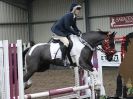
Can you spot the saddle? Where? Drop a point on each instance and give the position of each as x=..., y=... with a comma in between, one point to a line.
x=53, y=40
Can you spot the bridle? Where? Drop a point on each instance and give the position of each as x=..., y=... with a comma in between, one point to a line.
x=106, y=48
x=105, y=45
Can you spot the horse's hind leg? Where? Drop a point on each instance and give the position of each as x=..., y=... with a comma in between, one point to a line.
x=31, y=69
x=27, y=83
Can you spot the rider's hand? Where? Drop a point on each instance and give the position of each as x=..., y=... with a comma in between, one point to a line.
x=79, y=33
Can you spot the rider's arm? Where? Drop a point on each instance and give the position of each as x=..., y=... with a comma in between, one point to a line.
x=75, y=26
x=67, y=22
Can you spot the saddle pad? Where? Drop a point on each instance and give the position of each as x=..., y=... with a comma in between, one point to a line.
x=55, y=50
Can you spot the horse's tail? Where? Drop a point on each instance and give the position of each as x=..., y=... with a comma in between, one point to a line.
x=32, y=43
x=24, y=54
x=23, y=57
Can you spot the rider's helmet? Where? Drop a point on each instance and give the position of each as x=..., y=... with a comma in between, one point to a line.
x=74, y=6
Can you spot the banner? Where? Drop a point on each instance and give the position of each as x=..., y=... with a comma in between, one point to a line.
x=121, y=21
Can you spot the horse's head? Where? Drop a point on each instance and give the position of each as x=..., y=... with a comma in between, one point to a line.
x=108, y=46
x=104, y=38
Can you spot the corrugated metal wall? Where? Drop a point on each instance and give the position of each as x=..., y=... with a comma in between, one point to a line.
x=46, y=12
x=14, y=32
x=11, y=19
x=104, y=24
x=108, y=7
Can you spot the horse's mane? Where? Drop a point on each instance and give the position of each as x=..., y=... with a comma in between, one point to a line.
x=94, y=33
x=101, y=32
x=128, y=38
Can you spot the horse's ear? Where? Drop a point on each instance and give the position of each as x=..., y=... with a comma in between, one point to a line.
x=114, y=33
x=32, y=43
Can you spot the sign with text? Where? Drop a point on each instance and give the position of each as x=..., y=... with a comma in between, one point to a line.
x=104, y=62
x=121, y=21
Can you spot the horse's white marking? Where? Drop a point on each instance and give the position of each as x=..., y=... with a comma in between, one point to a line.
x=31, y=50
x=77, y=45
x=77, y=48
x=54, y=47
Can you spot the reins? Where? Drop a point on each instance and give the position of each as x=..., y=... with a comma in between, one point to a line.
x=105, y=48
x=86, y=43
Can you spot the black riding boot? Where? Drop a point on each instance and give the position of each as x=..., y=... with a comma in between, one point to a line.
x=64, y=53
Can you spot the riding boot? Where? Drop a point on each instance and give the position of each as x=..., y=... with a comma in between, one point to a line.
x=69, y=57
x=64, y=53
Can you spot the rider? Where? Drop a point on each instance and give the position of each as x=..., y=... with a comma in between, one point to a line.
x=65, y=27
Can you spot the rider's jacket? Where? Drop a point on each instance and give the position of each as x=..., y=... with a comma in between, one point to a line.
x=66, y=25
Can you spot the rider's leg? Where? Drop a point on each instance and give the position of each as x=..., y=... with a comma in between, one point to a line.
x=64, y=52
x=64, y=48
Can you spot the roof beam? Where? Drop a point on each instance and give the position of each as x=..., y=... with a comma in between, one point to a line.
x=18, y=3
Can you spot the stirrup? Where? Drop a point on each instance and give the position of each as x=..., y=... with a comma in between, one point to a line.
x=65, y=63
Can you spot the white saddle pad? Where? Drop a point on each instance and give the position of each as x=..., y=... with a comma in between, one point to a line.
x=55, y=50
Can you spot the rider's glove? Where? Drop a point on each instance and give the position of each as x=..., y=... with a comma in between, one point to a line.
x=79, y=33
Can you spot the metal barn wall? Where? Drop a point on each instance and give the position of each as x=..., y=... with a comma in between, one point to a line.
x=100, y=10
x=14, y=32
x=108, y=7
x=104, y=24
x=45, y=14
x=13, y=23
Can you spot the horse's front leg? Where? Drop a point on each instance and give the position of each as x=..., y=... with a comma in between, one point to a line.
x=85, y=64
x=85, y=59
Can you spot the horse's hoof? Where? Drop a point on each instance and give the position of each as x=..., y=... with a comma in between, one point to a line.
x=27, y=86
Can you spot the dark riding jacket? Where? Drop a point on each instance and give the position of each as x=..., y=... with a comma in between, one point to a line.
x=66, y=26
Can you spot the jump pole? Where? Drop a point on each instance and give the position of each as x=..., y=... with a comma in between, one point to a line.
x=6, y=71
x=7, y=89
x=81, y=79
x=20, y=70
x=4, y=77
x=1, y=71
x=56, y=92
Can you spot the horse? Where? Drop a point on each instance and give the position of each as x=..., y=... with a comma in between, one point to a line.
x=40, y=56
x=126, y=68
